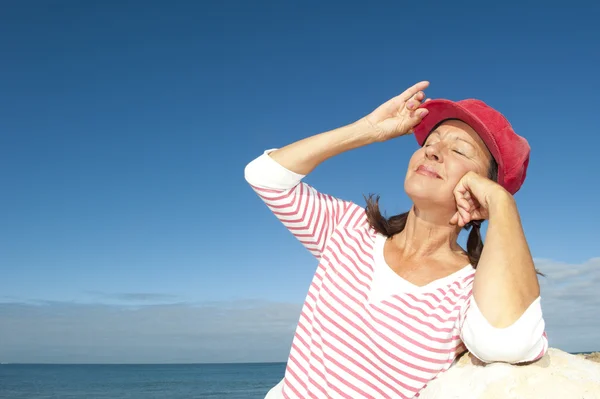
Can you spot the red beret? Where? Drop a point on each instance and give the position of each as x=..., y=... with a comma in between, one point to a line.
x=510, y=150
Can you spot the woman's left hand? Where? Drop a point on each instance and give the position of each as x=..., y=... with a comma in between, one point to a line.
x=474, y=194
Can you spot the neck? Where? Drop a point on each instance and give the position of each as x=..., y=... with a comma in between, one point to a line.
x=427, y=236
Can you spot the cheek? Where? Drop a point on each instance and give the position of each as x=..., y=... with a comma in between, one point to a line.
x=416, y=157
x=456, y=170
x=414, y=160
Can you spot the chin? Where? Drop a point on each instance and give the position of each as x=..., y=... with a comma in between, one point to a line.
x=427, y=190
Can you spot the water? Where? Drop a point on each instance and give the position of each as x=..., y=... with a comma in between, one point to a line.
x=206, y=381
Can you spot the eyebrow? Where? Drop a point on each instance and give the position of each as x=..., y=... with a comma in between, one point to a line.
x=455, y=138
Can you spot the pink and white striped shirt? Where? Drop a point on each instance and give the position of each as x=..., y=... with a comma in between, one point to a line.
x=364, y=332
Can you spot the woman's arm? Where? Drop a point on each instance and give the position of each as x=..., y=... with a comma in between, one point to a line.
x=309, y=215
x=502, y=317
x=506, y=273
x=303, y=156
x=394, y=118
x=525, y=340
x=505, y=281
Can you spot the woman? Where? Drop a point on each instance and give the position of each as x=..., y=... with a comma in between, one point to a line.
x=394, y=301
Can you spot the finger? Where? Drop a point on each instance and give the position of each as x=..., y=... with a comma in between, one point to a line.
x=470, y=198
x=461, y=203
x=454, y=219
x=415, y=117
x=429, y=99
x=477, y=216
x=467, y=203
x=466, y=221
x=417, y=114
x=414, y=89
x=460, y=189
x=459, y=193
x=472, y=205
x=459, y=220
x=415, y=101
x=464, y=215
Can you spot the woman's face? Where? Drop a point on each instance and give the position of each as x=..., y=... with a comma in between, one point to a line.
x=434, y=170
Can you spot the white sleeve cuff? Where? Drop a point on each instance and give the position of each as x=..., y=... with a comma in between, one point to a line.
x=522, y=341
x=265, y=172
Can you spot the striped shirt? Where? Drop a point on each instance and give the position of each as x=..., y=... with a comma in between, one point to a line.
x=363, y=333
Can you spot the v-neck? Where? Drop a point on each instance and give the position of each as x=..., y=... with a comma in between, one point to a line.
x=386, y=282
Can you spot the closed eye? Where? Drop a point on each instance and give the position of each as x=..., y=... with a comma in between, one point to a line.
x=458, y=152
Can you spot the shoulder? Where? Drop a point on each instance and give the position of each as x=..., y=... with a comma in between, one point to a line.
x=354, y=219
x=353, y=231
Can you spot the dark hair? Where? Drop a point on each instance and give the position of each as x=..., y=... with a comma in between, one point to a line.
x=393, y=225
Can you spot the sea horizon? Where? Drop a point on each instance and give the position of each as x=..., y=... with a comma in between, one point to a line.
x=182, y=363
x=143, y=364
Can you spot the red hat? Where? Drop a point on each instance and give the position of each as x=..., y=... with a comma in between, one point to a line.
x=510, y=150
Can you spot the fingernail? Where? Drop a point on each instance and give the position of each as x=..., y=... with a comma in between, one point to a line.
x=410, y=105
x=424, y=112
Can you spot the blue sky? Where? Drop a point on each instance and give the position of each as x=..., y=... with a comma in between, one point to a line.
x=125, y=128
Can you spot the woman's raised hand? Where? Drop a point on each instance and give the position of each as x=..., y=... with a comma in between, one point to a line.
x=396, y=117
x=399, y=115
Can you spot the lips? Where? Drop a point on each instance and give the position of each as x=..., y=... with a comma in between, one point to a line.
x=428, y=171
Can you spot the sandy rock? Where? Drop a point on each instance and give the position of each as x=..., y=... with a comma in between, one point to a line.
x=594, y=357
x=558, y=375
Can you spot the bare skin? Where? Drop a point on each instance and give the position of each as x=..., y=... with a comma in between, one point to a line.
x=427, y=248
x=458, y=193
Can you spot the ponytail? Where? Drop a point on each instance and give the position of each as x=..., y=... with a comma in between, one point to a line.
x=391, y=226
x=474, y=242
x=388, y=227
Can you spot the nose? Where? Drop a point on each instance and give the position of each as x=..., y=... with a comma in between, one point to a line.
x=433, y=153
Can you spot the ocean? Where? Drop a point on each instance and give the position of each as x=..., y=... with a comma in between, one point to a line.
x=189, y=381
x=154, y=381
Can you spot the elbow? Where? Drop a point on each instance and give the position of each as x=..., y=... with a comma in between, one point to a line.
x=508, y=350
x=257, y=172
x=523, y=341
x=248, y=172
x=264, y=172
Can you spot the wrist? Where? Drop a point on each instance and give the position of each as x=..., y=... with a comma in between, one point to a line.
x=343, y=139
x=368, y=131
x=500, y=201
